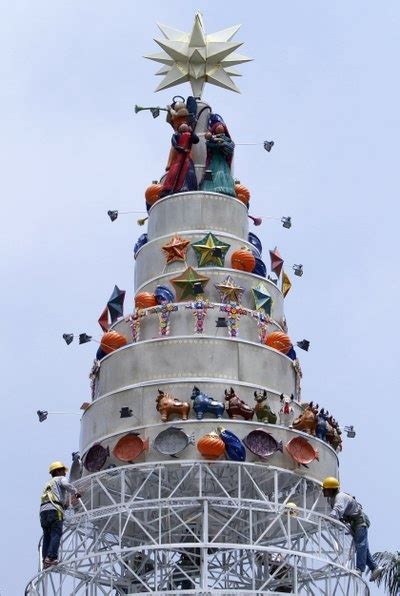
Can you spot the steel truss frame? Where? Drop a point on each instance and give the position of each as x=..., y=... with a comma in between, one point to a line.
x=201, y=528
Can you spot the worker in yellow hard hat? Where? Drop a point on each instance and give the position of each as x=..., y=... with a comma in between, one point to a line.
x=348, y=510
x=52, y=505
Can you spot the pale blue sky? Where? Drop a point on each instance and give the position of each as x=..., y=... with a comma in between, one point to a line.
x=324, y=85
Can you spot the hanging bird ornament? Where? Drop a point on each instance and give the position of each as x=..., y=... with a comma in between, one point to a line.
x=198, y=58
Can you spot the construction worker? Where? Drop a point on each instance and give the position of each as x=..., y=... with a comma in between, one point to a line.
x=52, y=506
x=349, y=511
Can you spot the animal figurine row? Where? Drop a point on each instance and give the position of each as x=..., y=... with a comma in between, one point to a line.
x=235, y=407
x=313, y=421
x=319, y=423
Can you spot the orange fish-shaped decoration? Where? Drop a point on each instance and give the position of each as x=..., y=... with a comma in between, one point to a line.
x=130, y=447
x=301, y=451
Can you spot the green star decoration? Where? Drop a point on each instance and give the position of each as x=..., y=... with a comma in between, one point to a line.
x=190, y=283
x=262, y=298
x=210, y=251
x=229, y=291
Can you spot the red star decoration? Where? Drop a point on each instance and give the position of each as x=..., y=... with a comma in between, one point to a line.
x=103, y=320
x=276, y=261
x=175, y=249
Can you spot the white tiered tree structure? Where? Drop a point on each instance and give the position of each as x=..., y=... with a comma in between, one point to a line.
x=188, y=525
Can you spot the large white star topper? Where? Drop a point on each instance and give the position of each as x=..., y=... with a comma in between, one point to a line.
x=198, y=58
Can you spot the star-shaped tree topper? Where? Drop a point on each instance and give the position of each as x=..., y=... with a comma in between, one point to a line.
x=198, y=58
x=175, y=249
x=262, y=298
x=190, y=283
x=276, y=261
x=210, y=251
x=229, y=291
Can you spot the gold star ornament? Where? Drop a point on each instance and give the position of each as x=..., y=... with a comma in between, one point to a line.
x=229, y=291
x=189, y=284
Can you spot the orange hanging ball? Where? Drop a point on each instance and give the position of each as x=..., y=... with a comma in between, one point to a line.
x=145, y=300
x=211, y=445
x=242, y=193
x=243, y=259
x=152, y=193
x=279, y=341
x=112, y=340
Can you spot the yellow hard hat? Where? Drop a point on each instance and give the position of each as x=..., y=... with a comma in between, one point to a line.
x=330, y=482
x=57, y=465
x=292, y=507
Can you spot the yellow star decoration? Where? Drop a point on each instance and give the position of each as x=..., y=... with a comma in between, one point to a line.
x=286, y=284
x=175, y=249
x=210, y=251
x=229, y=291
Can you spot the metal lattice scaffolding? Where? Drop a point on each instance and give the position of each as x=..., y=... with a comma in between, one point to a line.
x=201, y=527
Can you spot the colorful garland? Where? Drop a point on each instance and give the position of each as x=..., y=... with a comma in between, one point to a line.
x=199, y=308
x=234, y=311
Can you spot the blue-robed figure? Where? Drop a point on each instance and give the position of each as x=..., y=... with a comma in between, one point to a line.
x=220, y=149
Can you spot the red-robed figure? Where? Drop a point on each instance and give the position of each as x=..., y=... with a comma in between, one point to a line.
x=181, y=175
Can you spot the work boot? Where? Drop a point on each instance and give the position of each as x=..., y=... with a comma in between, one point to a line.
x=49, y=562
x=375, y=574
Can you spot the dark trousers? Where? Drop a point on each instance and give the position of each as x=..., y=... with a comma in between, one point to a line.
x=52, y=525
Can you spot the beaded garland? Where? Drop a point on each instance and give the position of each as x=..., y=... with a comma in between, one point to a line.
x=199, y=308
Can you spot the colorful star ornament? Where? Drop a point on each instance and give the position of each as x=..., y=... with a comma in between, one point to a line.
x=229, y=291
x=262, y=298
x=190, y=283
x=103, y=320
x=276, y=261
x=198, y=58
x=115, y=304
x=286, y=284
x=175, y=249
x=210, y=251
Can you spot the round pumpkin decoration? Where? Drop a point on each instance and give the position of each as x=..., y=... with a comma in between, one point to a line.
x=242, y=193
x=279, y=341
x=112, y=340
x=145, y=300
x=152, y=193
x=243, y=259
x=211, y=445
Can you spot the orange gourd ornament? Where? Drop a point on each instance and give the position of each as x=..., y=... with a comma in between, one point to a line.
x=111, y=341
x=152, y=193
x=243, y=259
x=279, y=341
x=242, y=193
x=211, y=445
x=145, y=300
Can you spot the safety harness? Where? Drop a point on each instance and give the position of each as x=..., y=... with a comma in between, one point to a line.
x=359, y=519
x=50, y=496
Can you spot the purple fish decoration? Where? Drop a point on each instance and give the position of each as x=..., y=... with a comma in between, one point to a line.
x=262, y=443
